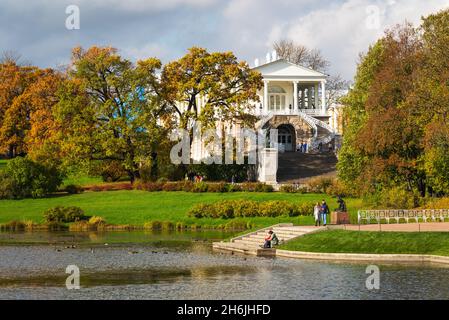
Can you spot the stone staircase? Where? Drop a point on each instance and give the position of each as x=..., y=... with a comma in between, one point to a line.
x=296, y=167
x=251, y=243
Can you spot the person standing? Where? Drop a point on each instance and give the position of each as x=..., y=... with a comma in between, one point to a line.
x=324, y=212
x=316, y=214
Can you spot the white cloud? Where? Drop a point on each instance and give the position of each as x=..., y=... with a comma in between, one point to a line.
x=344, y=30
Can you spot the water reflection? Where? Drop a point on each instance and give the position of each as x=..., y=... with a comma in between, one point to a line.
x=148, y=266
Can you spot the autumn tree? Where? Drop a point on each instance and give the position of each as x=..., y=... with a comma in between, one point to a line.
x=397, y=128
x=224, y=85
x=14, y=111
x=110, y=110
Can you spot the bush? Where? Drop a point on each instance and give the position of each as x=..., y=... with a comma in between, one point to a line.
x=149, y=186
x=442, y=203
x=256, y=187
x=234, y=188
x=64, y=214
x=96, y=221
x=8, y=188
x=200, y=187
x=229, y=209
x=319, y=184
x=288, y=188
x=73, y=189
x=218, y=187
x=112, y=171
x=25, y=178
x=394, y=198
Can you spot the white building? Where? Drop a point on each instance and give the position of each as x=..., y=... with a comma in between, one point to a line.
x=293, y=101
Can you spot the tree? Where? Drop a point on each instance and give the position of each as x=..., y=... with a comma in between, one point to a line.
x=110, y=109
x=301, y=55
x=397, y=112
x=225, y=84
x=14, y=111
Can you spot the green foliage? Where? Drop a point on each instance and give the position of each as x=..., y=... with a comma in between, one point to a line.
x=73, y=189
x=394, y=198
x=396, y=127
x=24, y=178
x=64, y=214
x=112, y=171
x=230, y=209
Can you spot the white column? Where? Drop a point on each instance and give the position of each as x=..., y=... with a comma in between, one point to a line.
x=265, y=95
x=316, y=99
x=303, y=98
x=323, y=97
x=295, y=95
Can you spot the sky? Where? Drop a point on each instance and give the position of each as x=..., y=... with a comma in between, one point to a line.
x=341, y=29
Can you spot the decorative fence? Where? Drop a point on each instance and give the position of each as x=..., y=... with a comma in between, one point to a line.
x=415, y=215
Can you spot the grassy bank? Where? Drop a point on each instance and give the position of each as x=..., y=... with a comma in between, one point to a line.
x=139, y=207
x=2, y=164
x=340, y=241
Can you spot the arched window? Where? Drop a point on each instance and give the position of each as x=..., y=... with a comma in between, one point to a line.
x=276, y=89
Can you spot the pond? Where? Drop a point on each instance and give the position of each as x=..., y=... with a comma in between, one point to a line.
x=151, y=265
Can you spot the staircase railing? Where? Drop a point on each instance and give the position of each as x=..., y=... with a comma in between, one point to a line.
x=316, y=142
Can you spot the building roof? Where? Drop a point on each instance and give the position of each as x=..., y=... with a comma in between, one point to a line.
x=283, y=69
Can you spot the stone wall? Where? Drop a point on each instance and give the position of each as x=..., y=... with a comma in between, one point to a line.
x=304, y=131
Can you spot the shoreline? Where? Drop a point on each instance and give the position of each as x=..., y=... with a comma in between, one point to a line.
x=364, y=257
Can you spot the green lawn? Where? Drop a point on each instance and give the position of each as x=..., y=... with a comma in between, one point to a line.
x=81, y=180
x=2, y=164
x=138, y=207
x=340, y=241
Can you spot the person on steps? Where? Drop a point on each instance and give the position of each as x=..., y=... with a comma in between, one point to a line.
x=268, y=238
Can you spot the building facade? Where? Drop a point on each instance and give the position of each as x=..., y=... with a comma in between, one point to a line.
x=292, y=101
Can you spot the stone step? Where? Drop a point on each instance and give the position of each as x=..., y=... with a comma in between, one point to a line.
x=279, y=235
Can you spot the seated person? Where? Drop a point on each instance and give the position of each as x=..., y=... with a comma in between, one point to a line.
x=268, y=239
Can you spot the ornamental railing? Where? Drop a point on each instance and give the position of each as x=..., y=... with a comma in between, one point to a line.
x=415, y=215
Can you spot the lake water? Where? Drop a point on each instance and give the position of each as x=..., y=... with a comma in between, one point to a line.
x=138, y=265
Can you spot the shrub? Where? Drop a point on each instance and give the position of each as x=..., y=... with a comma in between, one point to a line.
x=229, y=209
x=442, y=203
x=148, y=186
x=200, y=187
x=26, y=178
x=288, y=188
x=201, y=210
x=256, y=187
x=234, y=188
x=8, y=187
x=304, y=209
x=112, y=171
x=13, y=226
x=246, y=208
x=393, y=198
x=64, y=214
x=96, y=221
x=319, y=184
x=223, y=209
x=158, y=225
x=219, y=187
x=73, y=189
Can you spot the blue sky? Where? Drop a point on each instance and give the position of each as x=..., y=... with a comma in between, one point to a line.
x=341, y=29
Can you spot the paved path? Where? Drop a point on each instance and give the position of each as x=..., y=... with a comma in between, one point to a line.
x=251, y=243
x=403, y=227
